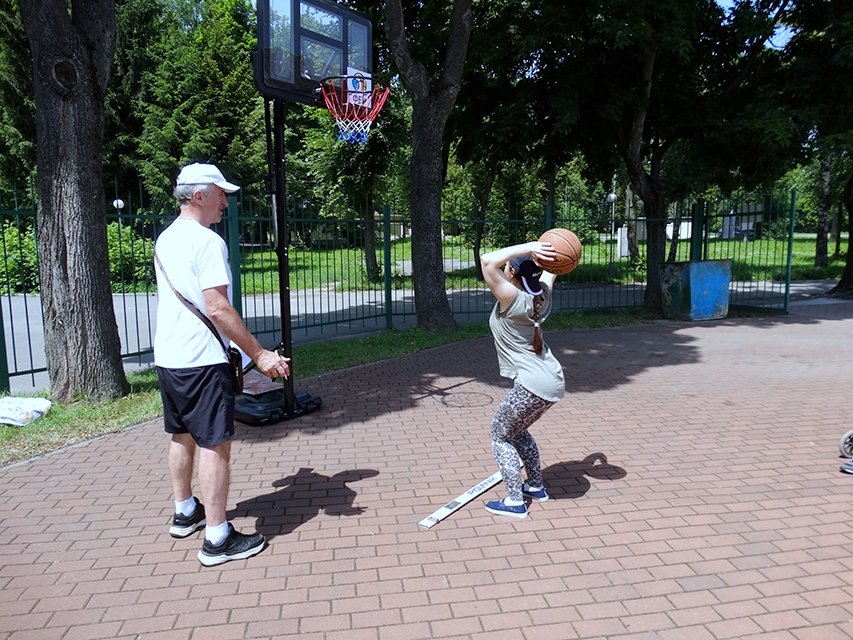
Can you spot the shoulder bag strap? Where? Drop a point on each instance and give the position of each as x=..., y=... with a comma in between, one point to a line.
x=189, y=305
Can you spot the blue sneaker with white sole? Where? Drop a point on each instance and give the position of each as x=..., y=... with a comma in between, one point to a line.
x=498, y=507
x=539, y=494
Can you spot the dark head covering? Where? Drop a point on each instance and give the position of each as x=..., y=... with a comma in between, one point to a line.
x=529, y=273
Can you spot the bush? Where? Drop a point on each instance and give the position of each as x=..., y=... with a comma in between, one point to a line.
x=19, y=268
x=131, y=259
x=585, y=231
x=637, y=267
x=131, y=267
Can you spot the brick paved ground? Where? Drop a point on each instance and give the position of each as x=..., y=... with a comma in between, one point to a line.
x=693, y=470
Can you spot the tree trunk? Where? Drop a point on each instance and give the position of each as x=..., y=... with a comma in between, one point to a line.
x=655, y=207
x=647, y=185
x=844, y=288
x=431, y=303
x=371, y=266
x=72, y=52
x=430, y=109
x=836, y=230
x=550, y=185
x=480, y=222
x=676, y=231
x=821, y=246
x=631, y=222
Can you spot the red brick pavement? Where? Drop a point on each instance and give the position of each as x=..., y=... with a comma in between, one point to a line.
x=693, y=469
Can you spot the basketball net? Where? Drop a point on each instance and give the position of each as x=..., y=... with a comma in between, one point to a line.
x=354, y=101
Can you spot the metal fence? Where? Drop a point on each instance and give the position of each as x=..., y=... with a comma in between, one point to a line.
x=350, y=270
x=758, y=239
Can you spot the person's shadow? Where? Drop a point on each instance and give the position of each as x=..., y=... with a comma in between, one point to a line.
x=301, y=497
x=568, y=480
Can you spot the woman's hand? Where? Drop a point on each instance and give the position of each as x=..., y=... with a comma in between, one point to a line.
x=542, y=253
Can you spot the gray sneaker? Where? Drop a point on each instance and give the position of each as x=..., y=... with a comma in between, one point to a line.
x=235, y=547
x=847, y=467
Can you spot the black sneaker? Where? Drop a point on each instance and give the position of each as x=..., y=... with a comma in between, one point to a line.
x=182, y=525
x=235, y=546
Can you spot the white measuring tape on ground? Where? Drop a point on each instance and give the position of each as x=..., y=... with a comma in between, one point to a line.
x=440, y=514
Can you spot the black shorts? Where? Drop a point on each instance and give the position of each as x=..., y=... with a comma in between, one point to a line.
x=198, y=401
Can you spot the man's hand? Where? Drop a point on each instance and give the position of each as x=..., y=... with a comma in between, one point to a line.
x=269, y=362
x=272, y=364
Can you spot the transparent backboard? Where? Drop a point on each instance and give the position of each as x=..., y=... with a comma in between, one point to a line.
x=300, y=42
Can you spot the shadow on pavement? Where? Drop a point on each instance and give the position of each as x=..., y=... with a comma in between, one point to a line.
x=568, y=480
x=301, y=497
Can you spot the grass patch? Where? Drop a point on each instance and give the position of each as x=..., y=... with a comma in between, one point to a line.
x=342, y=268
x=68, y=424
x=325, y=357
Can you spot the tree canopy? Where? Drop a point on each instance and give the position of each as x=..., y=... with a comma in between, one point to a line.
x=544, y=82
x=820, y=65
x=493, y=100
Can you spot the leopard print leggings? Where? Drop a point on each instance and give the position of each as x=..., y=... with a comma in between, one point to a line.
x=511, y=439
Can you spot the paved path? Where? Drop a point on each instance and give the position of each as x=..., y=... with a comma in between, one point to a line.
x=693, y=469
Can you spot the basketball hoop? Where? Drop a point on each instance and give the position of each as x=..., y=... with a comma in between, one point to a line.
x=354, y=101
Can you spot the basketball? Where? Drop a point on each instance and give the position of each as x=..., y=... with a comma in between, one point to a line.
x=568, y=249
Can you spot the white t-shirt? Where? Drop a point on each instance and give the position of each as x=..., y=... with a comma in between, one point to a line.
x=195, y=258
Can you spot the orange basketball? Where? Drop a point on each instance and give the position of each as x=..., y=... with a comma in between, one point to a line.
x=568, y=249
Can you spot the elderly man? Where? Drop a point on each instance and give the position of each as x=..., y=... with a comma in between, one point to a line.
x=192, y=366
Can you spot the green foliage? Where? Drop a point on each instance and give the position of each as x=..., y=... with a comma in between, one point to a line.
x=461, y=190
x=585, y=231
x=805, y=179
x=515, y=194
x=131, y=259
x=343, y=171
x=819, y=78
x=17, y=102
x=140, y=26
x=637, y=267
x=543, y=82
x=776, y=229
x=19, y=267
x=131, y=266
x=201, y=104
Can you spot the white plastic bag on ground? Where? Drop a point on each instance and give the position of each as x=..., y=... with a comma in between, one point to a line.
x=22, y=411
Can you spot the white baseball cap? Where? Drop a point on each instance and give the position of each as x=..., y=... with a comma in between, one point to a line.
x=197, y=173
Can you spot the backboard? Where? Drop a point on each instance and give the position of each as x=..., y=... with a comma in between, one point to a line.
x=301, y=42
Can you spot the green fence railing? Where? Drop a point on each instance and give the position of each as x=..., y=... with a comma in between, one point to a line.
x=351, y=269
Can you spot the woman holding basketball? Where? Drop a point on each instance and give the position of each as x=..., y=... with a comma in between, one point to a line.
x=523, y=291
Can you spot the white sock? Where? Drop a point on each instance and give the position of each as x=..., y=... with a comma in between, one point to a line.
x=186, y=507
x=530, y=487
x=513, y=503
x=216, y=535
